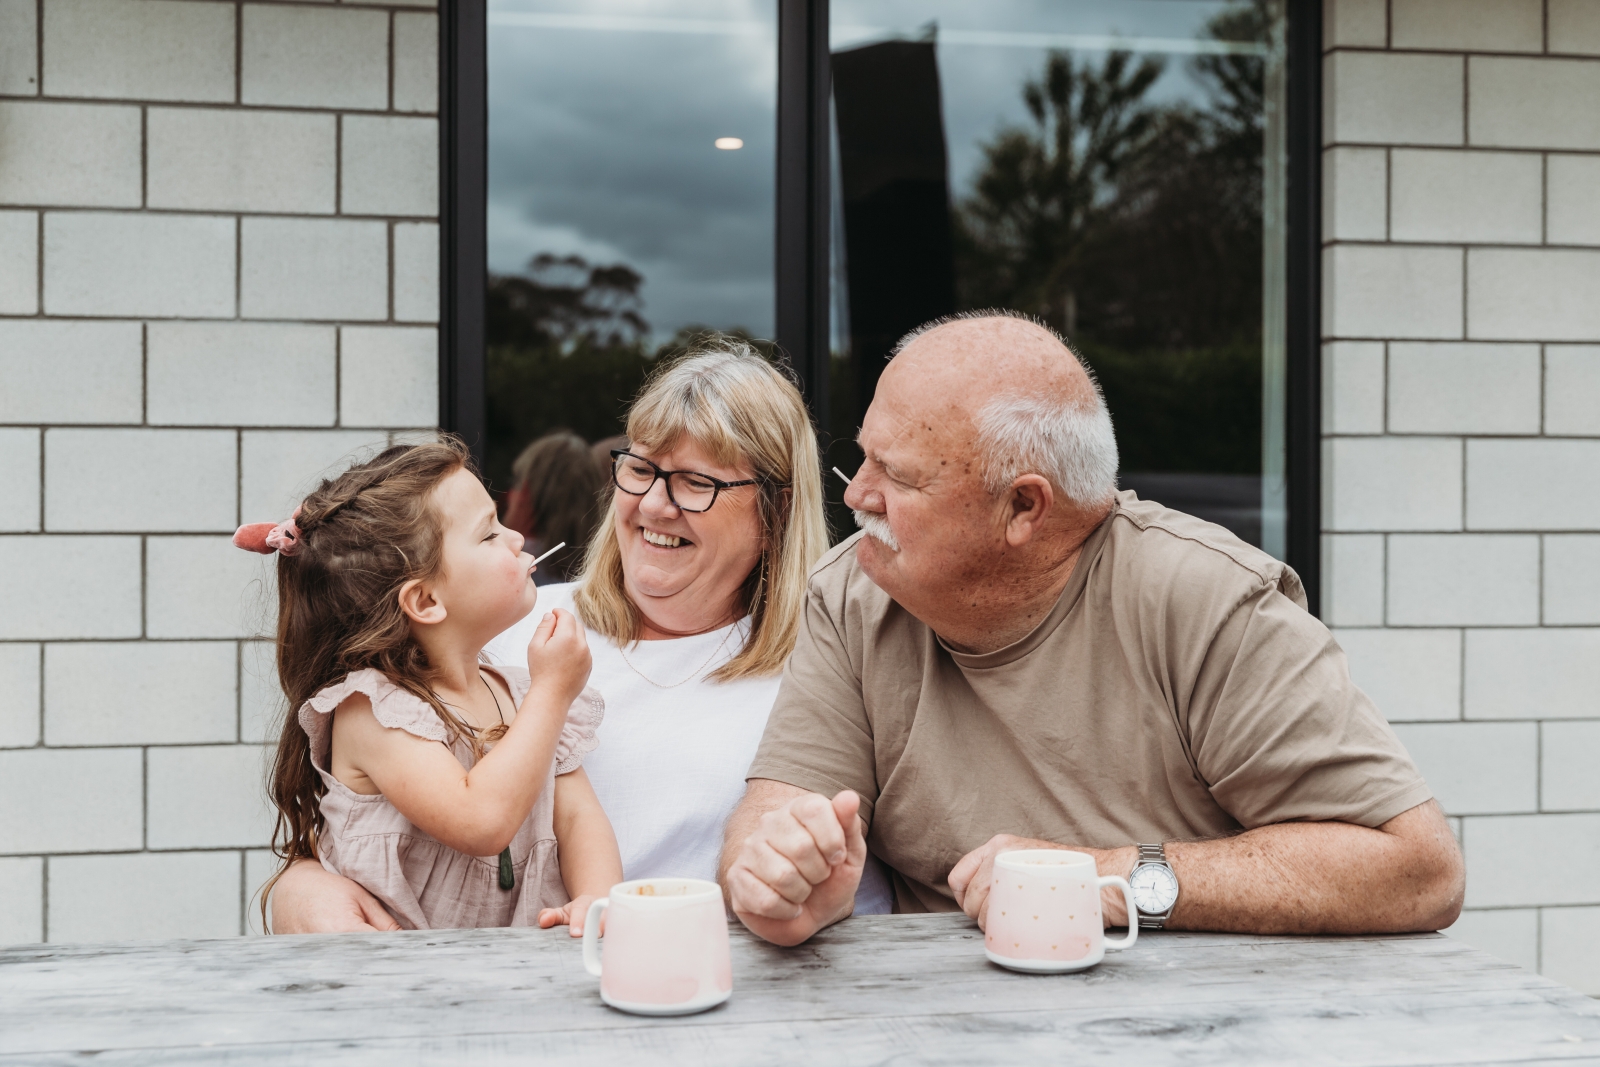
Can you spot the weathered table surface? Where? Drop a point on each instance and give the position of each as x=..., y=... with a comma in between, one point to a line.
x=891, y=989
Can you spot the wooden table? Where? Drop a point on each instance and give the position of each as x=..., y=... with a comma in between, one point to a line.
x=891, y=989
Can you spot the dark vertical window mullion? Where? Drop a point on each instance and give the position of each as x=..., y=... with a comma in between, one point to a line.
x=803, y=196
x=1304, y=263
x=463, y=188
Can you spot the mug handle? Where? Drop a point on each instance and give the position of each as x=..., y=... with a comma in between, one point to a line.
x=591, y=934
x=1111, y=946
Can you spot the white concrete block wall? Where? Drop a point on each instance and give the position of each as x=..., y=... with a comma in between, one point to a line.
x=1461, y=370
x=218, y=280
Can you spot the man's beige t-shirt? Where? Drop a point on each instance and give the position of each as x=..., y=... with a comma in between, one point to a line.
x=1178, y=690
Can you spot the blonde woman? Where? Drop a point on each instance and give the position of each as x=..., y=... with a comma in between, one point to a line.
x=691, y=593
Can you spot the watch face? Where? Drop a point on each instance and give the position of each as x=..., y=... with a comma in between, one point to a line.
x=1155, y=888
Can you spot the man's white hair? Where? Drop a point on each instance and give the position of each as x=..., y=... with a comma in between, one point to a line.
x=1072, y=443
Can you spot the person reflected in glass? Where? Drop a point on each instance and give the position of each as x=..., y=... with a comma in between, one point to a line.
x=556, y=496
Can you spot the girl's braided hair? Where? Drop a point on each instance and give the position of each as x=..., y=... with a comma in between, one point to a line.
x=363, y=535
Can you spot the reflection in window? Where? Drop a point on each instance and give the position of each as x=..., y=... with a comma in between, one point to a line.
x=1114, y=167
x=630, y=201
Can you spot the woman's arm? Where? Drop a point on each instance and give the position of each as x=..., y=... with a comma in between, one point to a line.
x=586, y=848
x=309, y=899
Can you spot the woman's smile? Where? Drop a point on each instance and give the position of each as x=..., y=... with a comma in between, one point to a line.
x=664, y=540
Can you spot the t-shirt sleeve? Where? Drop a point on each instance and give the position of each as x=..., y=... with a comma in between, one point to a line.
x=1280, y=733
x=818, y=736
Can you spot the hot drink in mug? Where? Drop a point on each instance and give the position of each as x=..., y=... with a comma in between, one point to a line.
x=666, y=946
x=1044, y=911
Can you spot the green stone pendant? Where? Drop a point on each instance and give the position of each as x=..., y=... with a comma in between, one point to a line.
x=508, y=877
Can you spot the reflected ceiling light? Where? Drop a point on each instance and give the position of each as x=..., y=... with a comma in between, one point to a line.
x=728, y=144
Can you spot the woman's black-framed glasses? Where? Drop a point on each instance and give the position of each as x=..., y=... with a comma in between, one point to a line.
x=688, y=490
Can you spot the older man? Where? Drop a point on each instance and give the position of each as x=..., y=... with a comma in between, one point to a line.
x=1015, y=655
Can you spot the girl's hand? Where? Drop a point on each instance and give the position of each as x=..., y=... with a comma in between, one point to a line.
x=558, y=658
x=570, y=915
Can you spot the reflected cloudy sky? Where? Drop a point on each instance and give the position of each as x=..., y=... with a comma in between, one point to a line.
x=601, y=142
x=603, y=114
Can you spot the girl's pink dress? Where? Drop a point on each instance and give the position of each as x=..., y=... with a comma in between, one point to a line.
x=424, y=884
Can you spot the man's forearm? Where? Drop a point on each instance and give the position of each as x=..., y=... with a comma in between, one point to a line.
x=1321, y=878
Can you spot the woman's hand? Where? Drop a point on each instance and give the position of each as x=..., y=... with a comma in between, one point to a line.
x=309, y=899
x=792, y=860
x=558, y=659
x=569, y=915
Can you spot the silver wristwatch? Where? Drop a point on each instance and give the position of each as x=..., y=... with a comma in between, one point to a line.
x=1155, y=887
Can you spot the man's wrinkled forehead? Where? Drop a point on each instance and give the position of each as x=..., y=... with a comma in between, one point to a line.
x=915, y=426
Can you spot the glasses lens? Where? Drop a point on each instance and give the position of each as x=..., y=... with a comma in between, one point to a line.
x=692, y=492
x=633, y=475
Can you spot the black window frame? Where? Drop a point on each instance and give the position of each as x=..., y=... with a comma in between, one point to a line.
x=801, y=274
x=463, y=218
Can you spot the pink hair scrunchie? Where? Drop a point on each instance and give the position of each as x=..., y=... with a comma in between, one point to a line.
x=267, y=538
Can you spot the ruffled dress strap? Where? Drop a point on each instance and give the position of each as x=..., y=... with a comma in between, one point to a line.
x=578, y=735
x=392, y=706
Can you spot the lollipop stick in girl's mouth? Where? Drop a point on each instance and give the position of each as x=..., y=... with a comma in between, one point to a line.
x=541, y=558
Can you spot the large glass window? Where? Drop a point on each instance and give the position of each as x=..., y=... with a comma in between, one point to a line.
x=630, y=200
x=1114, y=167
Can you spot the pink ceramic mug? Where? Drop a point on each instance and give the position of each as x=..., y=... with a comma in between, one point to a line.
x=666, y=946
x=1044, y=911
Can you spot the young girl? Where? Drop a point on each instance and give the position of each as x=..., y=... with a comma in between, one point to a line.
x=453, y=791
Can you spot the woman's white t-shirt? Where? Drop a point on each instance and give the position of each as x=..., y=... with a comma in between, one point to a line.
x=674, y=747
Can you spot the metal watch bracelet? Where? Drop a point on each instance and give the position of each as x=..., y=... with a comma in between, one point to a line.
x=1154, y=855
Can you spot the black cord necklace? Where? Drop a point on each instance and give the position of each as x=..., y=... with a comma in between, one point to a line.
x=508, y=875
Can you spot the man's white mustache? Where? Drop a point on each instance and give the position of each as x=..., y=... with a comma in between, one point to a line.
x=877, y=527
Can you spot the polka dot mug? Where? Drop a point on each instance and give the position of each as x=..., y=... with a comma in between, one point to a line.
x=1044, y=912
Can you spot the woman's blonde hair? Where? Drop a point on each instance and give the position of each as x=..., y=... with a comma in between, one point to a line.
x=723, y=396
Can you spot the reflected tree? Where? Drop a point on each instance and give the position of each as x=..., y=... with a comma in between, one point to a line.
x=564, y=301
x=1044, y=192
x=567, y=349
x=1135, y=229
x=690, y=336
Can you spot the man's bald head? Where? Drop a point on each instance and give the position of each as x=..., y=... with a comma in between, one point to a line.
x=1009, y=391
x=978, y=356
